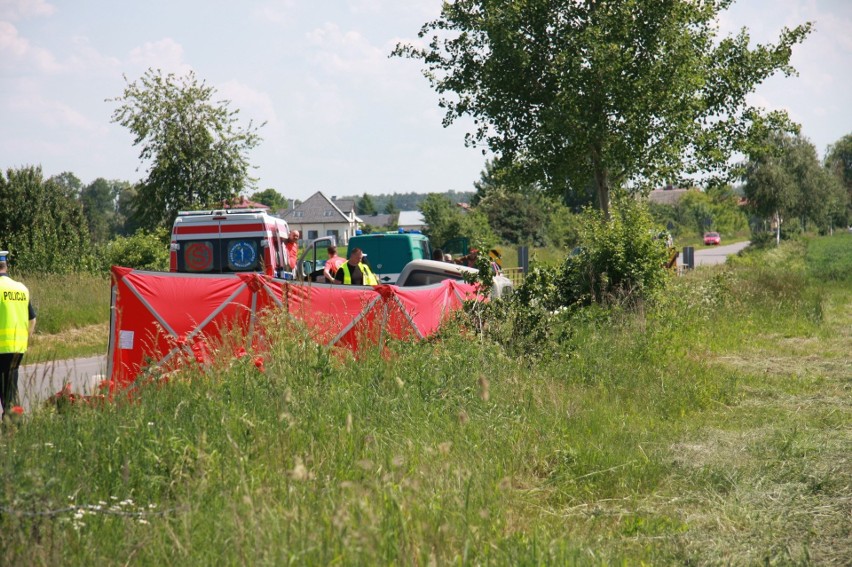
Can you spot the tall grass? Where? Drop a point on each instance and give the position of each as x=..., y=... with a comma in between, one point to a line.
x=653, y=436
x=72, y=315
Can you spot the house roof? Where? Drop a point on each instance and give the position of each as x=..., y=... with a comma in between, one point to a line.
x=666, y=196
x=242, y=202
x=378, y=219
x=345, y=205
x=318, y=209
x=411, y=218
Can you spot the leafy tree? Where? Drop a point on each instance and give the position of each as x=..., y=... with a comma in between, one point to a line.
x=516, y=218
x=620, y=259
x=390, y=208
x=839, y=161
x=99, y=206
x=197, y=152
x=42, y=224
x=443, y=218
x=609, y=94
x=365, y=205
x=717, y=209
x=446, y=221
x=69, y=182
x=271, y=198
x=562, y=227
x=127, y=217
x=491, y=179
x=142, y=251
x=785, y=182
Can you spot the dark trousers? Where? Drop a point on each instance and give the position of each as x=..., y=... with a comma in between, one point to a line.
x=9, y=363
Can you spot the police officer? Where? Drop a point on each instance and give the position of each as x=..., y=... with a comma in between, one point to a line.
x=17, y=322
x=355, y=272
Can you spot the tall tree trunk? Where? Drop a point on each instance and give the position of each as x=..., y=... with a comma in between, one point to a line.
x=777, y=229
x=601, y=182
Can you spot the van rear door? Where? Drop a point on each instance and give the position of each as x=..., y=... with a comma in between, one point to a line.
x=219, y=246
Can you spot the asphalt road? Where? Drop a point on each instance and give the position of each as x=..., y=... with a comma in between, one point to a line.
x=715, y=255
x=38, y=382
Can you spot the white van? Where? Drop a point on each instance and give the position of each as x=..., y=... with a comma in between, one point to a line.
x=228, y=241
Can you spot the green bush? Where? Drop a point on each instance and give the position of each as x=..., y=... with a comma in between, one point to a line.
x=142, y=251
x=618, y=259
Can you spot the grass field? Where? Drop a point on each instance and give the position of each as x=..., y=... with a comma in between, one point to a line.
x=711, y=427
x=72, y=316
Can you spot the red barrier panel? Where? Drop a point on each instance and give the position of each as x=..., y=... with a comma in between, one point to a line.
x=162, y=318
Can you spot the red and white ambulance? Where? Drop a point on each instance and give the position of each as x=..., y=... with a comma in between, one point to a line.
x=228, y=241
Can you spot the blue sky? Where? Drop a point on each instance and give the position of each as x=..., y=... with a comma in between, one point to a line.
x=341, y=117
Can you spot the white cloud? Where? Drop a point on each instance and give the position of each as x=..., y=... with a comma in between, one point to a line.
x=345, y=52
x=17, y=51
x=420, y=10
x=279, y=12
x=253, y=104
x=84, y=57
x=48, y=112
x=20, y=9
x=165, y=54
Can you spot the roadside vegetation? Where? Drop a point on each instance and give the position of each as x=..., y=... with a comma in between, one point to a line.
x=706, y=424
x=73, y=316
x=605, y=413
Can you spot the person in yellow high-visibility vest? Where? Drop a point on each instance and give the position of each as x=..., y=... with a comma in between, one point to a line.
x=17, y=323
x=355, y=272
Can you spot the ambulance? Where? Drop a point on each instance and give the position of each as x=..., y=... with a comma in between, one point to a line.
x=229, y=241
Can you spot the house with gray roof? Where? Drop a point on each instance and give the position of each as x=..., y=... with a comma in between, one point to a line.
x=320, y=216
x=379, y=221
x=667, y=196
x=411, y=220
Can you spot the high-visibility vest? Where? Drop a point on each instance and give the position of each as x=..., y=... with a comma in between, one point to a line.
x=369, y=277
x=14, y=315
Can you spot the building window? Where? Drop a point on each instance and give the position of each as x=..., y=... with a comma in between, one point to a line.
x=312, y=235
x=298, y=213
x=328, y=213
x=333, y=233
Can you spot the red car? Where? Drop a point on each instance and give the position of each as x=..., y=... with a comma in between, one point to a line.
x=712, y=238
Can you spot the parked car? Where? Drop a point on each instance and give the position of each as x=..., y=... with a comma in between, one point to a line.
x=428, y=272
x=712, y=238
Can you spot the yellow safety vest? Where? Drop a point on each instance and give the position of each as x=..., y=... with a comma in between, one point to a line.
x=14, y=315
x=369, y=277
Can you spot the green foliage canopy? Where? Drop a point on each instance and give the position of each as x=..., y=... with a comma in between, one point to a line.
x=42, y=224
x=141, y=251
x=196, y=148
x=271, y=198
x=715, y=209
x=365, y=205
x=569, y=94
x=99, y=200
x=446, y=221
x=516, y=218
x=839, y=161
x=620, y=258
x=784, y=179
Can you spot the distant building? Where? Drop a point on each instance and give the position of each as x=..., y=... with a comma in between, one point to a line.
x=411, y=220
x=379, y=220
x=320, y=216
x=667, y=196
x=242, y=202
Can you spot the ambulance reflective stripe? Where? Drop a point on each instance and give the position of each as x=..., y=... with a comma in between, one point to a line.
x=14, y=316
